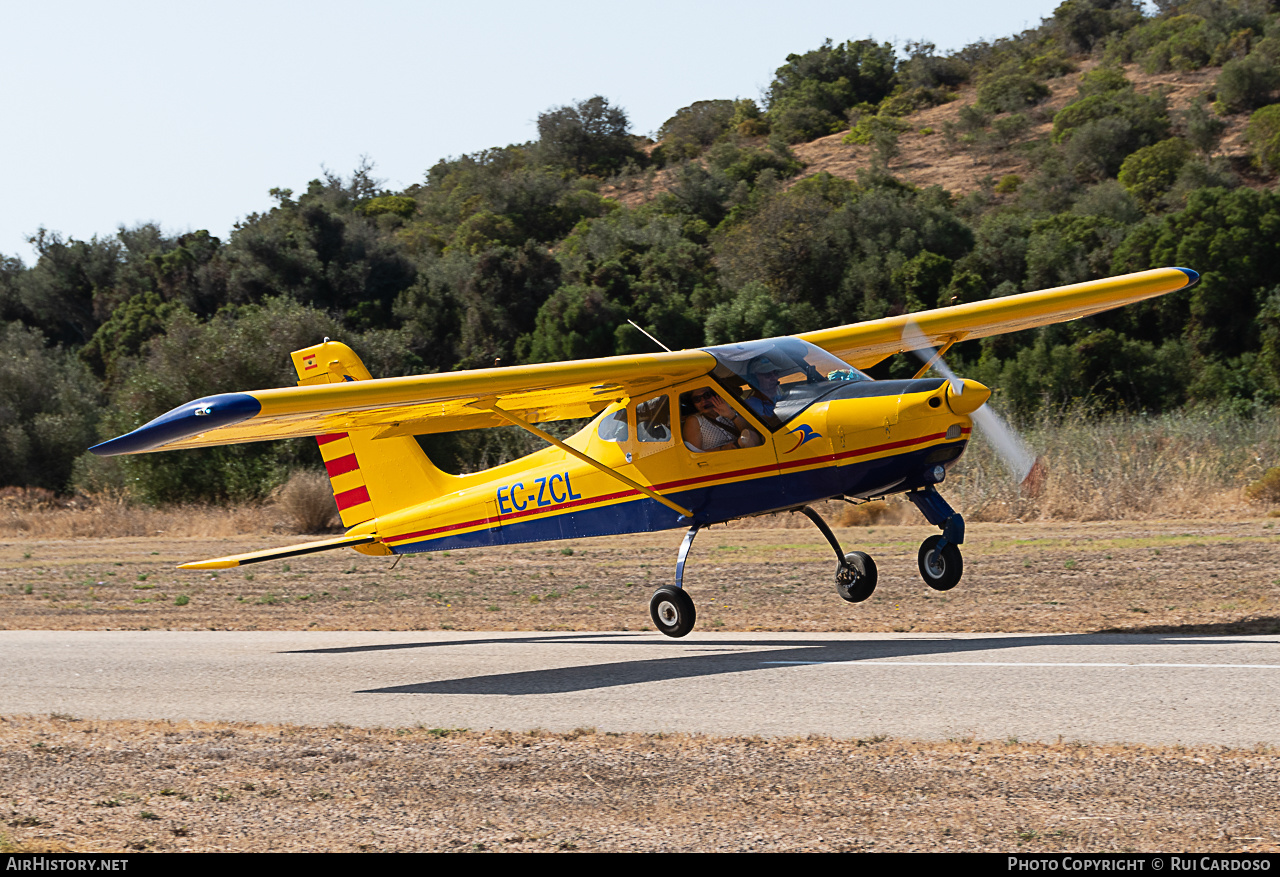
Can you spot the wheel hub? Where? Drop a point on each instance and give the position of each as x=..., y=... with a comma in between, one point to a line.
x=937, y=566
x=668, y=613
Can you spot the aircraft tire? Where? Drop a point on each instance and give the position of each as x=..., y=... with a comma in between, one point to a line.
x=941, y=570
x=856, y=577
x=672, y=611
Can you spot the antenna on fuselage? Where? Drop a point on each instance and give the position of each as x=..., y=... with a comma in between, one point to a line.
x=650, y=337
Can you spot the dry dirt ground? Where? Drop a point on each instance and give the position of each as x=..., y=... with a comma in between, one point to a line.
x=70, y=784
x=1159, y=576
x=116, y=786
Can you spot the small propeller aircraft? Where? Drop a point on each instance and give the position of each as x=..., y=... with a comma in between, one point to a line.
x=681, y=439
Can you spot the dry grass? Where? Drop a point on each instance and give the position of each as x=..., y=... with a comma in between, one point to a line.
x=1126, y=467
x=170, y=786
x=307, y=502
x=34, y=514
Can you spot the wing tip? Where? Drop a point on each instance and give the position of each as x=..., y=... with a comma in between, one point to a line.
x=209, y=564
x=1193, y=277
x=202, y=415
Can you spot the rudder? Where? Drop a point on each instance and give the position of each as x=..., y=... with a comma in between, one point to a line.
x=370, y=477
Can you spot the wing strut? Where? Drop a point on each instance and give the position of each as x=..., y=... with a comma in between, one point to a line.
x=529, y=427
x=937, y=356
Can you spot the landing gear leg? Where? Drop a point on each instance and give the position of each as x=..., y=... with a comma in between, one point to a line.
x=940, y=562
x=670, y=607
x=855, y=571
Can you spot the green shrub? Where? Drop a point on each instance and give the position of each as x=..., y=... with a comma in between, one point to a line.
x=1263, y=135
x=1151, y=171
x=906, y=101
x=1145, y=113
x=591, y=136
x=1247, y=83
x=1008, y=94
x=1050, y=65
x=695, y=127
x=747, y=119
x=396, y=205
x=870, y=129
x=832, y=78
x=1267, y=488
x=1099, y=131
x=1181, y=42
x=1079, y=24
x=49, y=408
x=745, y=163
x=1103, y=80
x=803, y=123
x=1200, y=126
x=1008, y=183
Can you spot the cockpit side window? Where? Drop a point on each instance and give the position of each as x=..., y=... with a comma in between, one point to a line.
x=614, y=427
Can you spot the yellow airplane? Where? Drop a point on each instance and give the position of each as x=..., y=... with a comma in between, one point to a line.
x=681, y=439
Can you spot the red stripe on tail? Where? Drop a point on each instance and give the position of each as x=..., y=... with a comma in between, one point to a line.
x=341, y=465
x=354, y=496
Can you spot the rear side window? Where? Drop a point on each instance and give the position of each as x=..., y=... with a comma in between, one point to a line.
x=653, y=420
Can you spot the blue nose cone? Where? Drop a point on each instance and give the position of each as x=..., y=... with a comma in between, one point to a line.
x=183, y=422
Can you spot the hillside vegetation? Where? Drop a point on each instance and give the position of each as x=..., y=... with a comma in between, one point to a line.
x=865, y=182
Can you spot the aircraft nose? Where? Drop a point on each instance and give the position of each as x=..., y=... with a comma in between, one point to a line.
x=968, y=397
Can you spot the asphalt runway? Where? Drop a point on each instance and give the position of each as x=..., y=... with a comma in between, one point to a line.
x=1088, y=687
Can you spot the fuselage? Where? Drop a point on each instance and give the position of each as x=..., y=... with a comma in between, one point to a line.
x=858, y=439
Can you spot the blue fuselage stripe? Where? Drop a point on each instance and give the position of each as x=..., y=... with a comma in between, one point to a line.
x=711, y=505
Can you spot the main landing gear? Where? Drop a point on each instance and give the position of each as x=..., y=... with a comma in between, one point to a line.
x=855, y=571
x=941, y=566
x=670, y=607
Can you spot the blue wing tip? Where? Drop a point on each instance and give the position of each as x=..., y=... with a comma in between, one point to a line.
x=182, y=422
x=1193, y=277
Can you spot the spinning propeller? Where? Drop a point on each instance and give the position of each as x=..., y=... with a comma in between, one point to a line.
x=1027, y=468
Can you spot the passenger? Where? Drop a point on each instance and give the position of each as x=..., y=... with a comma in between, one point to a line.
x=715, y=426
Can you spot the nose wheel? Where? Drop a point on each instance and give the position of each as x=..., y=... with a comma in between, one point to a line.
x=940, y=568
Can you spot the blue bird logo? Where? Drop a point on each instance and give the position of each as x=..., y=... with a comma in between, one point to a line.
x=806, y=434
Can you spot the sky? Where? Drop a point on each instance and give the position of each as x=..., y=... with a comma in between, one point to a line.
x=187, y=115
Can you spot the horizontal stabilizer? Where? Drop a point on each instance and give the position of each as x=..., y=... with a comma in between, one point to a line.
x=279, y=553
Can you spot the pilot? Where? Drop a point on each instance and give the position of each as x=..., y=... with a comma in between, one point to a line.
x=715, y=426
x=763, y=375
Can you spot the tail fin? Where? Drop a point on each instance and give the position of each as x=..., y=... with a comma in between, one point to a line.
x=370, y=477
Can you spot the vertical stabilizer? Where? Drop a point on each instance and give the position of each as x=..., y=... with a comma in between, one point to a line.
x=370, y=477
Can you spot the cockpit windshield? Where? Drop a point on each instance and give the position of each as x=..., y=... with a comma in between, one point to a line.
x=777, y=378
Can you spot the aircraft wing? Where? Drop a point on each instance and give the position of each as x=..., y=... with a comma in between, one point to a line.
x=414, y=405
x=862, y=345
x=453, y=401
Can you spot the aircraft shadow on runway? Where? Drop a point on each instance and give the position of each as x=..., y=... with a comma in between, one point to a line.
x=722, y=656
